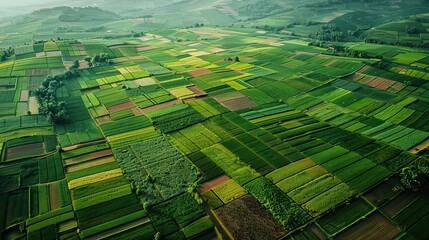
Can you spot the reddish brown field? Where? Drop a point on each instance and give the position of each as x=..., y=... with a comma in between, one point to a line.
x=120, y=107
x=54, y=198
x=197, y=91
x=200, y=72
x=384, y=191
x=330, y=63
x=213, y=183
x=245, y=219
x=374, y=227
x=28, y=150
x=24, y=96
x=239, y=103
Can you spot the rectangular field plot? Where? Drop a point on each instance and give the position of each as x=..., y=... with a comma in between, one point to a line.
x=375, y=226
x=248, y=209
x=157, y=169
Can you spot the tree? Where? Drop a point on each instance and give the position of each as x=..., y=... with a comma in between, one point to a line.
x=236, y=59
x=416, y=176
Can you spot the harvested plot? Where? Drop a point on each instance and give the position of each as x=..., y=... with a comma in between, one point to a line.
x=237, y=215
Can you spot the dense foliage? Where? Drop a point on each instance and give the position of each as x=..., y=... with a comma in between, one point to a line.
x=49, y=106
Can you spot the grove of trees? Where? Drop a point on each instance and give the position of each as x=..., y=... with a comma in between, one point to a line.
x=49, y=106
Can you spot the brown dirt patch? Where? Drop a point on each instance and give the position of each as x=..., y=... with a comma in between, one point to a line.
x=40, y=54
x=159, y=106
x=228, y=96
x=330, y=63
x=375, y=227
x=245, y=219
x=122, y=106
x=29, y=150
x=239, y=103
x=54, y=197
x=217, y=50
x=200, y=72
x=24, y=96
x=213, y=183
x=197, y=91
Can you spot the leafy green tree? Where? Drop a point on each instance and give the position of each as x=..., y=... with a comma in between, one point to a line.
x=416, y=176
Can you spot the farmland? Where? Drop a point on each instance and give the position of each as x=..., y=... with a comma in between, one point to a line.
x=226, y=120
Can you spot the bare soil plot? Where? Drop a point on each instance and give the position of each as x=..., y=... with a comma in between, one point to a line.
x=34, y=149
x=200, y=72
x=197, y=91
x=122, y=106
x=245, y=219
x=33, y=106
x=159, y=106
x=54, y=197
x=213, y=183
x=104, y=119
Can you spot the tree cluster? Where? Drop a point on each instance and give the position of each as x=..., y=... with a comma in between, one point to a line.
x=261, y=9
x=137, y=34
x=398, y=43
x=235, y=59
x=271, y=28
x=98, y=60
x=6, y=53
x=329, y=32
x=339, y=50
x=68, y=18
x=96, y=29
x=416, y=176
x=49, y=106
x=411, y=30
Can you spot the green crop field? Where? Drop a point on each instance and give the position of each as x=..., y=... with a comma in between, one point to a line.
x=227, y=119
